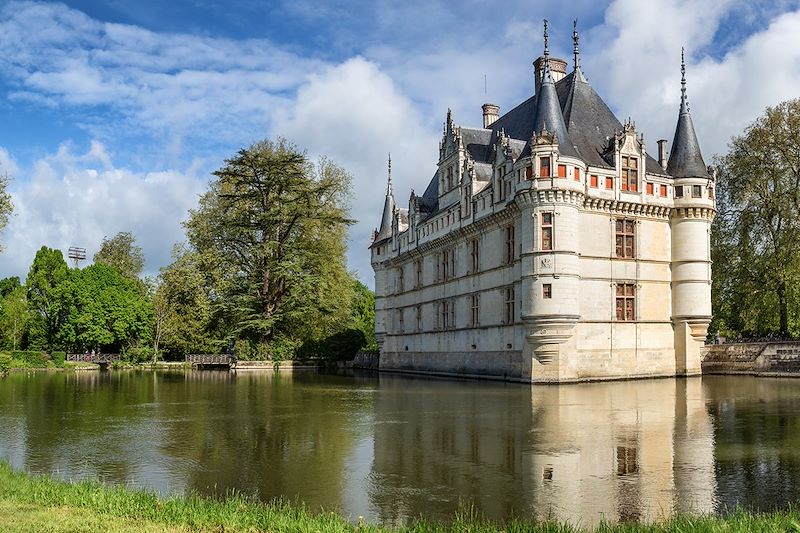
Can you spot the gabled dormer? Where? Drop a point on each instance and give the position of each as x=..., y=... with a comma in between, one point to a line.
x=629, y=155
x=451, y=156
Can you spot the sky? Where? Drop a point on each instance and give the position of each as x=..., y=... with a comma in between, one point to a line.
x=113, y=115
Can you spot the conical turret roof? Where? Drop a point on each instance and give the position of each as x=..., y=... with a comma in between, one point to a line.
x=385, y=230
x=685, y=159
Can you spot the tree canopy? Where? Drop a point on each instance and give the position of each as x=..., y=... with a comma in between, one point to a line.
x=122, y=253
x=756, y=235
x=273, y=226
x=45, y=276
x=6, y=207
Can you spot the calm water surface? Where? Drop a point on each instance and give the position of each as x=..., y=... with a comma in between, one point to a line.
x=390, y=448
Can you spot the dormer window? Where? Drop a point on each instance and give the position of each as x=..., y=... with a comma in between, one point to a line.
x=630, y=173
x=544, y=167
x=449, y=177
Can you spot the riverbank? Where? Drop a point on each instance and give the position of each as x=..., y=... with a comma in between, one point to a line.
x=37, y=503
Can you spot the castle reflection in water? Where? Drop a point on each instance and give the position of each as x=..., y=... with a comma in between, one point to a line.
x=625, y=451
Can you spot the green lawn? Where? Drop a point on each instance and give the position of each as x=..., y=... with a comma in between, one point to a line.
x=43, y=505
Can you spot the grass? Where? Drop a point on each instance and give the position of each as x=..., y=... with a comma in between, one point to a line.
x=35, y=503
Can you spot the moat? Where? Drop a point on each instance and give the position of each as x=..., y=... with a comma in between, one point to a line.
x=390, y=448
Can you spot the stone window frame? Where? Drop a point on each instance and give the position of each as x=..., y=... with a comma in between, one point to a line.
x=545, y=167
x=510, y=250
x=475, y=255
x=474, y=306
x=625, y=302
x=630, y=173
x=697, y=191
x=547, y=224
x=625, y=238
x=401, y=279
x=547, y=291
x=418, y=317
x=509, y=299
x=418, y=273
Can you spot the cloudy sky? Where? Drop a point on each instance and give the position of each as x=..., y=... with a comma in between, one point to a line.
x=113, y=114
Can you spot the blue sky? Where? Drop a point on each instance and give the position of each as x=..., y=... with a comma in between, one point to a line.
x=114, y=114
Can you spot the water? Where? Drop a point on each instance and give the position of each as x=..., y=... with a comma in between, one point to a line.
x=391, y=448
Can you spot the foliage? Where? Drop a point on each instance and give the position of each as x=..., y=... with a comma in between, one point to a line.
x=6, y=207
x=341, y=346
x=138, y=354
x=242, y=350
x=122, y=253
x=9, y=284
x=105, y=311
x=47, y=272
x=756, y=234
x=28, y=359
x=15, y=317
x=273, y=227
x=184, y=322
x=363, y=313
x=5, y=363
x=58, y=358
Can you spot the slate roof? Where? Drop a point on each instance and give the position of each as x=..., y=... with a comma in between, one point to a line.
x=685, y=159
x=589, y=124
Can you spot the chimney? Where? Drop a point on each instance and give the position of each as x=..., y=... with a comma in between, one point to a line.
x=662, y=153
x=491, y=113
x=558, y=69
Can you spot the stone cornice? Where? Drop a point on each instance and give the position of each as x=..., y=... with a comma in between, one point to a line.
x=706, y=213
x=613, y=206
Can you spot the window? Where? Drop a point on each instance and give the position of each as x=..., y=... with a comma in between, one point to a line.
x=630, y=174
x=510, y=245
x=446, y=265
x=418, y=269
x=400, y=321
x=544, y=167
x=547, y=291
x=697, y=191
x=474, y=305
x=626, y=461
x=562, y=171
x=679, y=191
x=419, y=317
x=528, y=172
x=625, y=302
x=577, y=174
x=475, y=257
x=609, y=183
x=711, y=193
x=444, y=314
x=509, y=315
x=547, y=231
x=649, y=188
x=625, y=238
x=662, y=191
x=593, y=181
x=449, y=177
x=400, y=280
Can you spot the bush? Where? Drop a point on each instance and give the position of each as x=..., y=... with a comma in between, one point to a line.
x=138, y=354
x=341, y=346
x=5, y=363
x=242, y=350
x=281, y=349
x=29, y=359
x=58, y=358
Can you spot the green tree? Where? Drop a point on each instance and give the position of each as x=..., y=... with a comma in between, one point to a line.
x=273, y=226
x=106, y=311
x=363, y=313
x=6, y=207
x=121, y=252
x=15, y=317
x=9, y=284
x=184, y=322
x=756, y=235
x=47, y=272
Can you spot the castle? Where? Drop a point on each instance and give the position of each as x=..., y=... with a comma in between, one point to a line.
x=550, y=246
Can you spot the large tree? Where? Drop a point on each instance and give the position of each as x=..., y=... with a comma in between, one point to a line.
x=105, y=311
x=756, y=235
x=274, y=225
x=122, y=253
x=47, y=273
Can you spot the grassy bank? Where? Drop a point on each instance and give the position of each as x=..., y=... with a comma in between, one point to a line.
x=32, y=504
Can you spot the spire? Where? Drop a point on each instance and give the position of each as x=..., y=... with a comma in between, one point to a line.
x=385, y=230
x=685, y=160
x=576, y=52
x=548, y=109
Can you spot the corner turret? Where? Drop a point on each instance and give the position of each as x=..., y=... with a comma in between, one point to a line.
x=685, y=161
x=385, y=230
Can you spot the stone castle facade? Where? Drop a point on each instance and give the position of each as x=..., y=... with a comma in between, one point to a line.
x=550, y=246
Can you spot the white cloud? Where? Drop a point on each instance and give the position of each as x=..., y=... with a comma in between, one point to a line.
x=74, y=199
x=354, y=114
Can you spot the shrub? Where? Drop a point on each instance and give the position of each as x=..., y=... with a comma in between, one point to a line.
x=280, y=349
x=5, y=363
x=138, y=354
x=29, y=359
x=341, y=346
x=58, y=358
x=242, y=350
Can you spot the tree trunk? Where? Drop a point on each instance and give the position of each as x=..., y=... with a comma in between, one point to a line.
x=783, y=308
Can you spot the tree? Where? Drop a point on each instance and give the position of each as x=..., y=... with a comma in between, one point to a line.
x=47, y=272
x=273, y=226
x=122, y=253
x=182, y=306
x=106, y=311
x=363, y=313
x=756, y=235
x=6, y=207
x=15, y=317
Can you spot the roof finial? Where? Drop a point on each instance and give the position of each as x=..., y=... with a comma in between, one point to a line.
x=389, y=181
x=575, y=49
x=546, y=51
x=684, y=101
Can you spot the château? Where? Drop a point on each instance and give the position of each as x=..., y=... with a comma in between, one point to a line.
x=550, y=246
